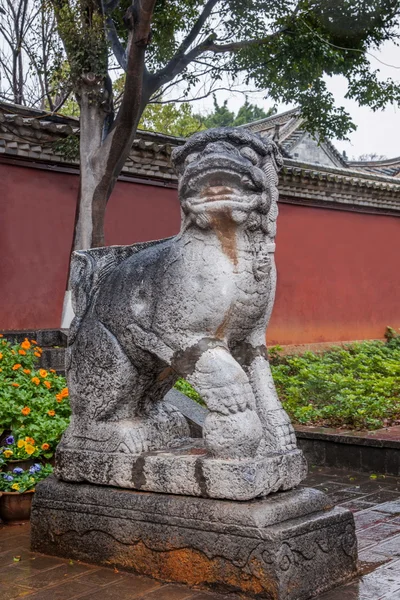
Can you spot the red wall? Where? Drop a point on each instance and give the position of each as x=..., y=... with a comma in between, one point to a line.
x=37, y=211
x=337, y=270
x=338, y=275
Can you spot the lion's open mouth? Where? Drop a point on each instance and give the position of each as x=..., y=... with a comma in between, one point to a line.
x=219, y=179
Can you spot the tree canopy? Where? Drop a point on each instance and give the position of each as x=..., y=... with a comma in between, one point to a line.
x=179, y=48
x=179, y=119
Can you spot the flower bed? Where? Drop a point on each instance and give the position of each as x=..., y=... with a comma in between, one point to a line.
x=34, y=412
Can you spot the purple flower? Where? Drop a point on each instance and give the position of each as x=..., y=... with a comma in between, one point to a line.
x=9, y=440
x=18, y=470
x=37, y=467
x=9, y=478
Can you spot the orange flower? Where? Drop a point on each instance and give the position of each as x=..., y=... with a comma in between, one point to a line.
x=36, y=380
x=16, y=366
x=51, y=413
x=59, y=398
x=15, y=384
x=52, y=371
x=22, y=352
x=26, y=344
x=1, y=335
x=47, y=384
x=1, y=356
x=37, y=354
x=29, y=440
x=27, y=371
x=43, y=373
x=26, y=410
x=45, y=446
x=34, y=342
x=38, y=349
x=64, y=393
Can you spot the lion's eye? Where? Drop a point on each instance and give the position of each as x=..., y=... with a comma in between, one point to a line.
x=191, y=157
x=250, y=154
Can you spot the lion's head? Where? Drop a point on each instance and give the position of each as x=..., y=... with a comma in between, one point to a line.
x=227, y=170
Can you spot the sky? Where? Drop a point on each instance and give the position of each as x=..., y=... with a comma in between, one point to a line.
x=377, y=132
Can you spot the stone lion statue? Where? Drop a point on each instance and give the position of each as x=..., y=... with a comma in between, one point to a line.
x=195, y=306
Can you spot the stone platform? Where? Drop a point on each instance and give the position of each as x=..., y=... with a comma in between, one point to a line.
x=289, y=546
x=186, y=470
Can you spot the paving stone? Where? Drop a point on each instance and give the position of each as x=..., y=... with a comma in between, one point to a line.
x=391, y=546
x=118, y=591
x=8, y=592
x=14, y=542
x=356, y=505
x=390, y=507
x=379, y=532
x=102, y=576
x=66, y=591
x=371, y=559
x=342, y=496
x=369, y=518
x=376, y=585
x=381, y=496
x=170, y=592
x=348, y=592
x=42, y=579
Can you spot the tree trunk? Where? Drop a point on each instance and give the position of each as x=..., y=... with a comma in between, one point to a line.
x=92, y=118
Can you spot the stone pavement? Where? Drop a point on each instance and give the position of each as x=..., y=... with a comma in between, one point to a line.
x=374, y=500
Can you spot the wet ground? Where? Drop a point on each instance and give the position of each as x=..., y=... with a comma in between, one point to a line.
x=375, y=501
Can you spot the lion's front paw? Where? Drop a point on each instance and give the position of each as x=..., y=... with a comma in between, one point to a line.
x=234, y=436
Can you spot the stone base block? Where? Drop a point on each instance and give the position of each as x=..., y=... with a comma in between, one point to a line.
x=185, y=470
x=288, y=546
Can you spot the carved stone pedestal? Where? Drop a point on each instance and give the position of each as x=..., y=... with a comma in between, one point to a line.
x=288, y=546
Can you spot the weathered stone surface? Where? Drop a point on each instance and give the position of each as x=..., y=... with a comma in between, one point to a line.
x=196, y=305
x=288, y=546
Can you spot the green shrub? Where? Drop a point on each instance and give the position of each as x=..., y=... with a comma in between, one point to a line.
x=356, y=386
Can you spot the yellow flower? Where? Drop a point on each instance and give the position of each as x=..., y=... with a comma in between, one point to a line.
x=31, y=479
x=29, y=449
x=27, y=371
x=16, y=367
x=15, y=486
x=1, y=355
x=43, y=373
x=51, y=413
x=22, y=352
x=45, y=446
x=8, y=453
x=21, y=443
x=47, y=384
x=12, y=351
x=36, y=380
x=26, y=410
x=26, y=344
